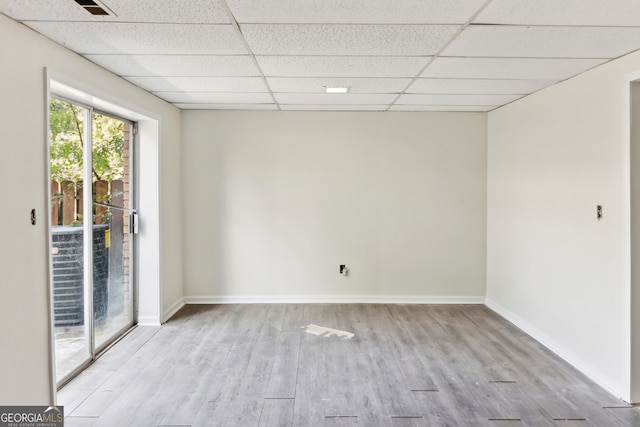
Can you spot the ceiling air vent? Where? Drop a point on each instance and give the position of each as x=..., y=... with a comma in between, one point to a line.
x=94, y=7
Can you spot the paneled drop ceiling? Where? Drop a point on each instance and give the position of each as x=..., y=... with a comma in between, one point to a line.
x=398, y=55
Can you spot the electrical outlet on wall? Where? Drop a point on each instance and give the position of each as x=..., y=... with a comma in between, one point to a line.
x=343, y=269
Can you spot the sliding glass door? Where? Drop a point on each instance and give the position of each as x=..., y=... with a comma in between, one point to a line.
x=92, y=224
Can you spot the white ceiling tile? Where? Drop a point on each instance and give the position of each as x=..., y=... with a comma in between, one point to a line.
x=185, y=11
x=478, y=86
x=414, y=99
x=341, y=66
x=119, y=38
x=393, y=40
x=355, y=11
x=200, y=84
x=215, y=97
x=563, y=12
x=462, y=108
x=335, y=99
x=189, y=106
x=317, y=85
x=509, y=68
x=321, y=107
x=544, y=42
x=177, y=65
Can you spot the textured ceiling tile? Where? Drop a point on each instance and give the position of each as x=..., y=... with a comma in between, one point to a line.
x=336, y=99
x=413, y=99
x=340, y=66
x=200, y=84
x=355, y=11
x=266, y=39
x=509, y=68
x=298, y=107
x=478, y=86
x=562, y=12
x=185, y=11
x=462, y=108
x=119, y=38
x=177, y=65
x=215, y=97
x=544, y=42
x=53, y=10
x=188, y=106
x=317, y=85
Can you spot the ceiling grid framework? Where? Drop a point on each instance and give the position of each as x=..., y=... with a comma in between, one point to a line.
x=401, y=55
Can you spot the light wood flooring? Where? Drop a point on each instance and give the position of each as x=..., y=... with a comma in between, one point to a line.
x=406, y=365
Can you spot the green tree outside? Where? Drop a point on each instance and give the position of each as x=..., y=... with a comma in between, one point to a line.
x=66, y=144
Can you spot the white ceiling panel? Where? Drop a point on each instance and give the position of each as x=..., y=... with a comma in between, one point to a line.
x=378, y=40
x=462, y=108
x=177, y=65
x=414, y=99
x=215, y=97
x=478, y=86
x=341, y=66
x=509, y=68
x=355, y=11
x=303, y=107
x=403, y=55
x=191, y=11
x=317, y=85
x=200, y=84
x=188, y=106
x=562, y=12
x=335, y=99
x=544, y=42
x=129, y=38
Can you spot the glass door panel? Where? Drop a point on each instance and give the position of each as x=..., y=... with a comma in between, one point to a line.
x=111, y=237
x=71, y=329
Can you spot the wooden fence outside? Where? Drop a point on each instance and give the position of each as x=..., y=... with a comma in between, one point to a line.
x=68, y=209
x=68, y=201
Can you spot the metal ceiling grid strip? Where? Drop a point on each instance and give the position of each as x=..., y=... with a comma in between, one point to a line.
x=460, y=30
x=236, y=27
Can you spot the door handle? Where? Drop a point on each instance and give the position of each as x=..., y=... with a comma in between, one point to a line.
x=133, y=222
x=133, y=215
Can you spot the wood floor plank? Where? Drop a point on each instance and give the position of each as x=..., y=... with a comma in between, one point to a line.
x=85, y=384
x=408, y=422
x=311, y=385
x=341, y=422
x=115, y=387
x=127, y=347
x=284, y=373
x=277, y=413
x=232, y=411
x=80, y=421
x=293, y=319
x=340, y=400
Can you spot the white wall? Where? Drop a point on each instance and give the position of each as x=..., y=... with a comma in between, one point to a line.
x=552, y=268
x=25, y=371
x=635, y=239
x=275, y=201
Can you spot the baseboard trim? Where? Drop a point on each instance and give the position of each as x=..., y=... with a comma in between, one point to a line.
x=334, y=299
x=148, y=321
x=551, y=344
x=168, y=314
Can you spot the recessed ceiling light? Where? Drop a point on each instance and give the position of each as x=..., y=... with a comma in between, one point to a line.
x=336, y=89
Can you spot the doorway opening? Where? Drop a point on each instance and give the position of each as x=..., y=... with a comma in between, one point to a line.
x=93, y=221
